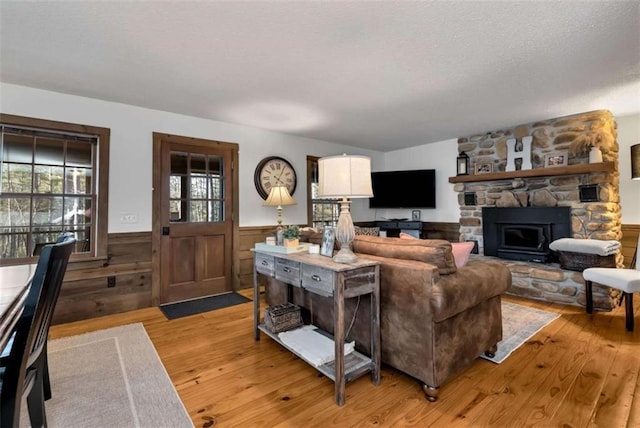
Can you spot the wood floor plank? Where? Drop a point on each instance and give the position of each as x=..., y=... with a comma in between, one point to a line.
x=529, y=374
x=578, y=364
x=634, y=413
x=579, y=403
x=616, y=398
x=492, y=393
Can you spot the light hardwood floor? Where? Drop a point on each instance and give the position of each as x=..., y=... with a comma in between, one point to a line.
x=579, y=371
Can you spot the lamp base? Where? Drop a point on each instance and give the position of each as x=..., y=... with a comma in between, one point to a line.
x=345, y=233
x=345, y=255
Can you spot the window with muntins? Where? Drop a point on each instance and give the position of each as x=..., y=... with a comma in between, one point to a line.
x=324, y=212
x=196, y=188
x=48, y=184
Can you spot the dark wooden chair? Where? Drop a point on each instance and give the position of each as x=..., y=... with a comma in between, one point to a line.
x=24, y=371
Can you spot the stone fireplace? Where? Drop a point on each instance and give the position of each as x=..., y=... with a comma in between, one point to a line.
x=590, y=192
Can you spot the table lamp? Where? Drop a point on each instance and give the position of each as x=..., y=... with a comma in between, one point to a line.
x=278, y=197
x=343, y=177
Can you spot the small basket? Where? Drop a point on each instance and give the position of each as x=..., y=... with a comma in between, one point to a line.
x=581, y=261
x=282, y=317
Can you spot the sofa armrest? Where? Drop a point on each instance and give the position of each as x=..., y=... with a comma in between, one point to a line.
x=476, y=282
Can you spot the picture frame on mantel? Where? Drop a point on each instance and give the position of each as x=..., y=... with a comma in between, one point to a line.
x=559, y=158
x=483, y=168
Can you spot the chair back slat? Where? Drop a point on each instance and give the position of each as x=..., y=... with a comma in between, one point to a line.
x=33, y=326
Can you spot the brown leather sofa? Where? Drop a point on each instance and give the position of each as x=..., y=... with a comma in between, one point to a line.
x=436, y=319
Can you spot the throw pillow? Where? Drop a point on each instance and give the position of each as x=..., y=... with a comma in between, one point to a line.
x=461, y=251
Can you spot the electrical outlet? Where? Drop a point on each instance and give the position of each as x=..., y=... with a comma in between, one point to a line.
x=111, y=281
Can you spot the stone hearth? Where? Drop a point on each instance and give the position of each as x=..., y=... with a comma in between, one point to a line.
x=600, y=219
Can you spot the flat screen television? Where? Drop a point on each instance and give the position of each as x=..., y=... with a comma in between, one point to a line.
x=404, y=189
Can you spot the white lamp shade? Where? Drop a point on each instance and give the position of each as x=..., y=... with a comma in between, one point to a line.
x=344, y=176
x=279, y=196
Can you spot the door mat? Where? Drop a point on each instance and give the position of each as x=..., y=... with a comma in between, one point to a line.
x=198, y=306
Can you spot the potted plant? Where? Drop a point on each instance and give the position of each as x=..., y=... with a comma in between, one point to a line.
x=291, y=236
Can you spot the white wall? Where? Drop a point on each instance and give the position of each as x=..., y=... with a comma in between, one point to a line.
x=628, y=135
x=130, y=175
x=440, y=156
x=131, y=158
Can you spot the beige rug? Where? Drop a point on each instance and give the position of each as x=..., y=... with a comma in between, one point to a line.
x=110, y=378
x=519, y=324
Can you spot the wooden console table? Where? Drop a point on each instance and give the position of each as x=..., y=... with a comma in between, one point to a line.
x=321, y=275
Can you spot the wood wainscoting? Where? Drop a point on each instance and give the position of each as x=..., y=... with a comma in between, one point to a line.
x=249, y=236
x=630, y=234
x=86, y=292
x=120, y=283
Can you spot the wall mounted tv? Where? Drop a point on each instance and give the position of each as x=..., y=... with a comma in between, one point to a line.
x=404, y=189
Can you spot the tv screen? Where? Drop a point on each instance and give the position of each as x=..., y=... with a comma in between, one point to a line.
x=404, y=189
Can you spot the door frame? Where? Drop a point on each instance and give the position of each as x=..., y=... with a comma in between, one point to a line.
x=156, y=225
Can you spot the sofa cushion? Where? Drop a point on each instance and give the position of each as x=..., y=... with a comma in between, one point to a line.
x=433, y=251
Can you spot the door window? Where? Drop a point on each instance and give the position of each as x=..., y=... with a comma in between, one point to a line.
x=196, y=188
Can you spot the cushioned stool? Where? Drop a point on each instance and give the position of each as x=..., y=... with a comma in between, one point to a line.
x=625, y=280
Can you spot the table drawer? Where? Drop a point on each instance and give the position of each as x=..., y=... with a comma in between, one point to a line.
x=288, y=271
x=318, y=279
x=265, y=264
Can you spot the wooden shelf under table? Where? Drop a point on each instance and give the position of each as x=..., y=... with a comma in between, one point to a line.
x=355, y=363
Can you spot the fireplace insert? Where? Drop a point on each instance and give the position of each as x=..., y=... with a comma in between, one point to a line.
x=524, y=233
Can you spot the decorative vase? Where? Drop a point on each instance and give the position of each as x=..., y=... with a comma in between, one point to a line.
x=595, y=155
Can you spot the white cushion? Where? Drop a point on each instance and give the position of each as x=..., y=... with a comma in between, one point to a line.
x=627, y=280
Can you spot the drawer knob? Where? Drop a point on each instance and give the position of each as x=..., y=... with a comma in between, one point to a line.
x=265, y=263
x=286, y=269
x=316, y=278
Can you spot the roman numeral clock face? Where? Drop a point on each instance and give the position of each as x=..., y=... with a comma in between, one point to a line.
x=274, y=171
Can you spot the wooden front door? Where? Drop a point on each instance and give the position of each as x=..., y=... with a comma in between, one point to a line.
x=193, y=217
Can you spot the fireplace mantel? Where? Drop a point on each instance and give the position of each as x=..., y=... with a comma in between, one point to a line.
x=583, y=168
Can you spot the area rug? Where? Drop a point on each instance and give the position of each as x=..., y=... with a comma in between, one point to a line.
x=519, y=324
x=198, y=306
x=110, y=378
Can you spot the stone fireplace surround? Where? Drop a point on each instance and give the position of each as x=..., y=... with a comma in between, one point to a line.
x=600, y=219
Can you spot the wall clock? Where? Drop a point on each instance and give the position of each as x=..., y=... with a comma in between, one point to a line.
x=274, y=171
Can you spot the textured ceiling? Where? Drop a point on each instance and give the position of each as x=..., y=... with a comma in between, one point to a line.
x=380, y=75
